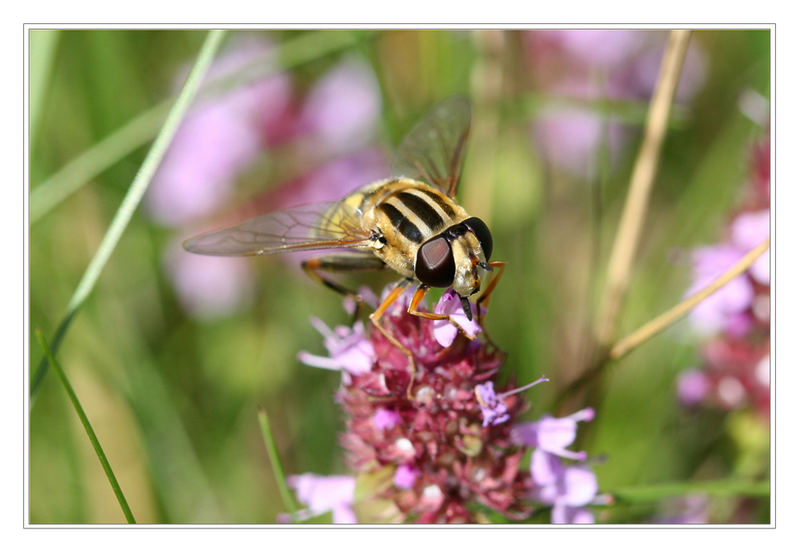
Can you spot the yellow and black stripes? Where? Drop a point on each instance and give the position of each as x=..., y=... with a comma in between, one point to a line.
x=401, y=222
x=416, y=211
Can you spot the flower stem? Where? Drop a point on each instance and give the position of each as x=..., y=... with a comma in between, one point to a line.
x=135, y=192
x=87, y=427
x=650, y=493
x=630, y=227
x=669, y=317
x=275, y=461
x=655, y=326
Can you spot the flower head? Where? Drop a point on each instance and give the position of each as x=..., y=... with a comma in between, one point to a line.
x=434, y=447
x=735, y=371
x=566, y=488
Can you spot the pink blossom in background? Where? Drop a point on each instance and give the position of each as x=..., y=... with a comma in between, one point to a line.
x=591, y=65
x=604, y=47
x=693, y=386
x=342, y=109
x=323, y=494
x=219, y=138
x=570, y=138
x=208, y=286
x=330, y=182
x=748, y=230
x=735, y=372
x=714, y=314
x=641, y=78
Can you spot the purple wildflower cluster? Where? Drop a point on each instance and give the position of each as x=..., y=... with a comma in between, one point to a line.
x=225, y=135
x=735, y=370
x=586, y=66
x=455, y=449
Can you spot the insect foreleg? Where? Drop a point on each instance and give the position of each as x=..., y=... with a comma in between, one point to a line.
x=484, y=297
x=375, y=318
x=340, y=264
x=412, y=309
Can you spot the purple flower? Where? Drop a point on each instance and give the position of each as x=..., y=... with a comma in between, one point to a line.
x=218, y=139
x=384, y=419
x=209, y=287
x=566, y=488
x=349, y=349
x=444, y=331
x=693, y=386
x=342, y=109
x=325, y=494
x=405, y=476
x=492, y=407
x=552, y=434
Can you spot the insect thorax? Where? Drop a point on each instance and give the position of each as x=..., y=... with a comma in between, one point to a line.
x=405, y=213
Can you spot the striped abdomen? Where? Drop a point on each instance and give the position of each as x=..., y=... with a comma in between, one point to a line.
x=407, y=213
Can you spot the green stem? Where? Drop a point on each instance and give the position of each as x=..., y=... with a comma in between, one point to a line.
x=136, y=190
x=650, y=493
x=277, y=468
x=88, y=165
x=88, y=428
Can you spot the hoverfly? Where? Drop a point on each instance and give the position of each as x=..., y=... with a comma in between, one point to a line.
x=410, y=223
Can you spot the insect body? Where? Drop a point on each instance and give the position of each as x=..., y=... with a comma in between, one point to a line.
x=410, y=223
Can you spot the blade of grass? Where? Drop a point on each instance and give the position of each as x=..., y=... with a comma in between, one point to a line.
x=88, y=165
x=135, y=193
x=669, y=317
x=277, y=468
x=633, y=214
x=88, y=428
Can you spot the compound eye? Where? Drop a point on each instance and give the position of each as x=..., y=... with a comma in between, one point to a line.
x=481, y=231
x=435, y=265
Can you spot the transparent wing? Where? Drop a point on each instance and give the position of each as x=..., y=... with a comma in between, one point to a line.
x=309, y=227
x=433, y=151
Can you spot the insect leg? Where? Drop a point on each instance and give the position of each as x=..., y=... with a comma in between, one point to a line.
x=342, y=264
x=375, y=318
x=412, y=309
x=484, y=297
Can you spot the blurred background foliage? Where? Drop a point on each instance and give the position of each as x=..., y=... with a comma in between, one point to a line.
x=172, y=356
